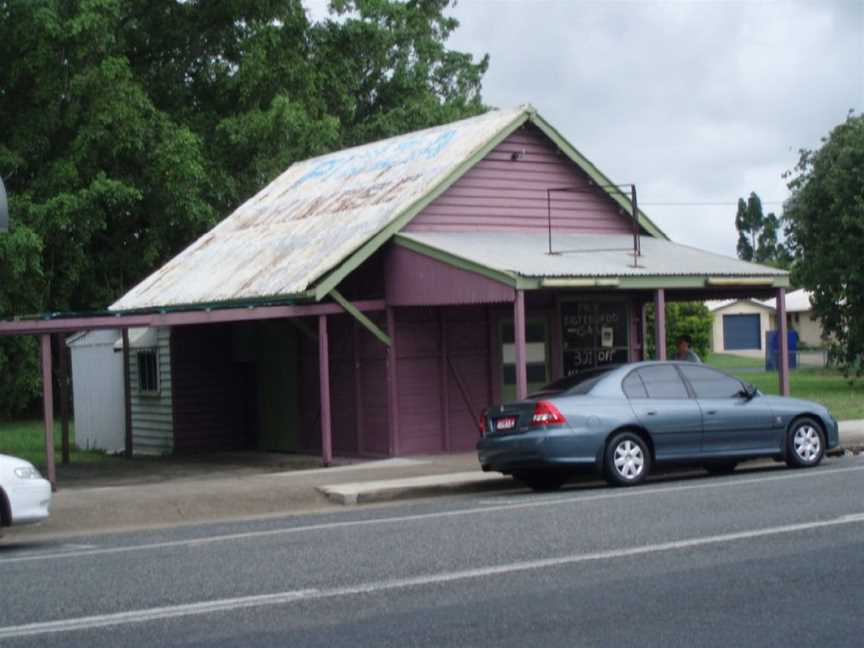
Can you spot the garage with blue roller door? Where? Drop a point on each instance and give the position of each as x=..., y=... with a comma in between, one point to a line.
x=741, y=332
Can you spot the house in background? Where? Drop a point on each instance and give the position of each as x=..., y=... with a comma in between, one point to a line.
x=740, y=325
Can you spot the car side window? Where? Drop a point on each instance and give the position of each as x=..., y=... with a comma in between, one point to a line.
x=708, y=383
x=663, y=381
x=633, y=386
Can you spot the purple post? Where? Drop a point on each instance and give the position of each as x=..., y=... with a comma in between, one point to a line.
x=660, y=324
x=519, y=338
x=783, y=360
x=127, y=398
x=48, y=409
x=445, y=382
x=643, y=308
x=324, y=383
x=392, y=386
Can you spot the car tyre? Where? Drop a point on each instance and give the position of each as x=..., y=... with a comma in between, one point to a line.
x=721, y=467
x=627, y=460
x=541, y=481
x=805, y=443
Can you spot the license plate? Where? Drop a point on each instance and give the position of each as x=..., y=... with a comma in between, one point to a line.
x=506, y=423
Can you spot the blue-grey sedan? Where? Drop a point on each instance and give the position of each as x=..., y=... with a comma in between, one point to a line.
x=622, y=420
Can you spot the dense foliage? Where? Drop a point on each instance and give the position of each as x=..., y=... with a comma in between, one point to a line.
x=129, y=127
x=825, y=216
x=683, y=318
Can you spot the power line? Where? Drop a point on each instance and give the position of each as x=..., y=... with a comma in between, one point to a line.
x=710, y=204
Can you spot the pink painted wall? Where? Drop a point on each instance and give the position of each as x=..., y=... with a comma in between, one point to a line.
x=413, y=279
x=501, y=194
x=444, y=378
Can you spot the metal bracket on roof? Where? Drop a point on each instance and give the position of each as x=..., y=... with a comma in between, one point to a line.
x=360, y=317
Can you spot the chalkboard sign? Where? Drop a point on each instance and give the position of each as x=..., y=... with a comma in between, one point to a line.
x=593, y=334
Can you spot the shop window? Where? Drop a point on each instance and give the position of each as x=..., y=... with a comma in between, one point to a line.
x=594, y=333
x=148, y=371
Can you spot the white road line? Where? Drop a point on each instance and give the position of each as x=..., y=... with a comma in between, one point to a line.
x=532, y=502
x=282, y=598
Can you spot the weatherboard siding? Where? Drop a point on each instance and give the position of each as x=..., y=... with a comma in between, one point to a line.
x=500, y=193
x=152, y=414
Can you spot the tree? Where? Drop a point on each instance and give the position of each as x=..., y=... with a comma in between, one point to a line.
x=758, y=234
x=683, y=318
x=130, y=127
x=825, y=216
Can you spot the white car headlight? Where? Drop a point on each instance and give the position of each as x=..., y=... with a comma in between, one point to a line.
x=27, y=472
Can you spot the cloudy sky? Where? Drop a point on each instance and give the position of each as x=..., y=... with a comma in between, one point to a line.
x=696, y=101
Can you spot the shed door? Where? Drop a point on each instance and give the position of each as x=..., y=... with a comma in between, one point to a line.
x=741, y=332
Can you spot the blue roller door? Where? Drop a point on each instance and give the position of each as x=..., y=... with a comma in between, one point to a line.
x=741, y=332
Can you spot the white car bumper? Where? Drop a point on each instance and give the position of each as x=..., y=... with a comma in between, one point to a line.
x=29, y=500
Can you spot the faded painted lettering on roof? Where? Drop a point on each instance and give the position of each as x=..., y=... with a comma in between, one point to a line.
x=314, y=215
x=384, y=157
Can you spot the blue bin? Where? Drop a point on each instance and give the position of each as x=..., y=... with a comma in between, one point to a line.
x=772, y=349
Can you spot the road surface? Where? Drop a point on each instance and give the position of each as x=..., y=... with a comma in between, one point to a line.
x=764, y=557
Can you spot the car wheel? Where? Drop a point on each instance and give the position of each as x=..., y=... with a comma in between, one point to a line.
x=541, y=481
x=805, y=443
x=628, y=460
x=721, y=467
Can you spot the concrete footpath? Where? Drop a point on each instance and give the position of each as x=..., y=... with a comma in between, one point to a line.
x=170, y=492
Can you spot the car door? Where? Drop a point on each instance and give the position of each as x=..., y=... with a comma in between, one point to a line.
x=663, y=406
x=732, y=423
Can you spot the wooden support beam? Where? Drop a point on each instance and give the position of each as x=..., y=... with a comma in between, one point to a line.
x=324, y=386
x=519, y=339
x=360, y=317
x=63, y=384
x=127, y=398
x=782, y=343
x=660, y=324
x=48, y=408
x=392, y=388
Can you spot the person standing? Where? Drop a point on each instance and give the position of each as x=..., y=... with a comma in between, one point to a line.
x=685, y=353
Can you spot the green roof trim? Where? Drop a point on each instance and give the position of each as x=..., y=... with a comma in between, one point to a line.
x=594, y=173
x=367, y=323
x=335, y=276
x=506, y=278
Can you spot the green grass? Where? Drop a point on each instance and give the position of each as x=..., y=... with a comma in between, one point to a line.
x=26, y=439
x=730, y=361
x=826, y=386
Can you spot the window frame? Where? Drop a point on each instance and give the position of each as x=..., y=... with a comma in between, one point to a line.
x=143, y=387
x=688, y=390
x=699, y=367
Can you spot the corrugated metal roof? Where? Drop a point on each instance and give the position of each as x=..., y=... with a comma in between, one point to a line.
x=314, y=215
x=797, y=301
x=715, y=305
x=607, y=255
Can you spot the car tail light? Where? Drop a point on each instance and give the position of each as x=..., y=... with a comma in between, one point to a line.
x=545, y=413
x=482, y=424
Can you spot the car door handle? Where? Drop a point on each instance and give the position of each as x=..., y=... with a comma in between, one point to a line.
x=711, y=412
x=651, y=413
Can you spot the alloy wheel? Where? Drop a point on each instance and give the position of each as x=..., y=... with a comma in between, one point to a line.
x=629, y=460
x=807, y=443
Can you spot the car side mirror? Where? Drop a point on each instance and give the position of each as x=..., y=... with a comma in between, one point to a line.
x=748, y=391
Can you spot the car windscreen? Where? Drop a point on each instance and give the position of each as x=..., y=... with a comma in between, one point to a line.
x=575, y=384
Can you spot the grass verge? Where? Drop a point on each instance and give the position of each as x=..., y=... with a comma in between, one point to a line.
x=26, y=439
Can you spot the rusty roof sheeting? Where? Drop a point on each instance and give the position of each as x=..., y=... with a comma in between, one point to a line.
x=313, y=216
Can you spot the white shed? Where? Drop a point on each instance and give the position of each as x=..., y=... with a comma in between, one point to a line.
x=97, y=386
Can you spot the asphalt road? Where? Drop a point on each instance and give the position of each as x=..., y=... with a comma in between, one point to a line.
x=763, y=557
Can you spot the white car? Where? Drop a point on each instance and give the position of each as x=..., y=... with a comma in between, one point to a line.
x=24, y=495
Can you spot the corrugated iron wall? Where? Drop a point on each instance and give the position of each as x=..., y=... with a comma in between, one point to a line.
x=504, y=194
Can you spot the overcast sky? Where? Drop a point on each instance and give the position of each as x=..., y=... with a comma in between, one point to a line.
x=696, y=101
